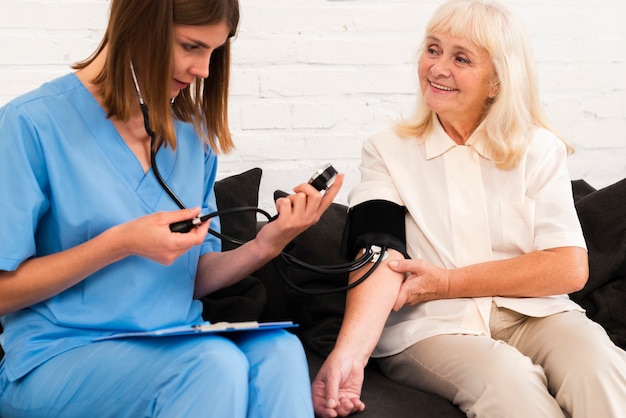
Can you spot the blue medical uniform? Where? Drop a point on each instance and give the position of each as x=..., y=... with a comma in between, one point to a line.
x=66, y=176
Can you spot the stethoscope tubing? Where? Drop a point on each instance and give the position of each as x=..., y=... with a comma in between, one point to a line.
x=186, y=226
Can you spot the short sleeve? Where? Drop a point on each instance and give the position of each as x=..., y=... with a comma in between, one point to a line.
x=211, y=243
x=549, y=187
x=376, y=180
x=23, y=181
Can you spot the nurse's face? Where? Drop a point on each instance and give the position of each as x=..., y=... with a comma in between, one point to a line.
x=193, y=46
x=456, y=78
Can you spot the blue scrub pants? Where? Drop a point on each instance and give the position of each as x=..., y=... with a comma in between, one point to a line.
x=260, y=374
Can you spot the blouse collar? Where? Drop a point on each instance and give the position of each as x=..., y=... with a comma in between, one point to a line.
x=439, y=142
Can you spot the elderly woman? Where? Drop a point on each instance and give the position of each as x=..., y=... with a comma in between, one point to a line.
x=474, y=191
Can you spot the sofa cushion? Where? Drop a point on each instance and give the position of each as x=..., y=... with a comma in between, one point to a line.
x=319, y=316
x=239, y=190
x=602, y=215
x=243, y=301
x=580, y=189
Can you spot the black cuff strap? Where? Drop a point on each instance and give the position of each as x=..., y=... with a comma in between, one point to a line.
x=375, y=222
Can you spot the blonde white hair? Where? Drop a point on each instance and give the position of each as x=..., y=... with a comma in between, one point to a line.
x=516, y=109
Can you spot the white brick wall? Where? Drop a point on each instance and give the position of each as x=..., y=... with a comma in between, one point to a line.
x=313, y=78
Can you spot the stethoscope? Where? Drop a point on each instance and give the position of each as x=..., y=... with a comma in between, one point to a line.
x=321, y=180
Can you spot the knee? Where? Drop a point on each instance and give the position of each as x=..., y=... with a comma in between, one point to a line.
x=286, y=349
x=278, y=351
x=514, y=387
x=210, y=372
x=224, y=362
x=598, y=365
x=588, y=354
x=287, y=344
x=515, y=374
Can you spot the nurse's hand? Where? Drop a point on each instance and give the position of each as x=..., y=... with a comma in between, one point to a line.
x=296, y=213
x=423, y=282
x=149, y=236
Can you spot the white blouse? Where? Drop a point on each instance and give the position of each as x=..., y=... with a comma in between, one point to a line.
x=461, y=210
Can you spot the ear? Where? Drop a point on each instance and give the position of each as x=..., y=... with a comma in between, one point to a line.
x=494, y=88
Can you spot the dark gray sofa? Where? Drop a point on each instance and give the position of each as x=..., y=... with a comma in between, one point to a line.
x=265, y=296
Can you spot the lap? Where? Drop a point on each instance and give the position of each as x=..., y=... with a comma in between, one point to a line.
x=480, y=375
x=277, y=347
x=544, y=363
x=128, y=375
x=561, y=341
x=567, y=335
x=569, y=346
x=445, y=364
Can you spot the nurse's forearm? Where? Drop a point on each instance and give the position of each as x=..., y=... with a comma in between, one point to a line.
x=221, y=269
x=37, y=279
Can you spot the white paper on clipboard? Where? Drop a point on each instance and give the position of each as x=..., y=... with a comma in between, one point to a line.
x=202, y=328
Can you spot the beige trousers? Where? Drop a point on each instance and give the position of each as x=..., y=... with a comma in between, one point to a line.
x=563, y=365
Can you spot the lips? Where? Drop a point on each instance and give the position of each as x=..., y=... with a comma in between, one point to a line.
x=441, y=87
x=180, y=84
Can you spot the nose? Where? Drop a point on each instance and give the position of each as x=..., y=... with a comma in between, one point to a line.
x=200, y=72
x=200, y=68
x=440, y=68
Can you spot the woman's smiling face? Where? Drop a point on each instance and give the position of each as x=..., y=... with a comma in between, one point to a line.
x=456, y=78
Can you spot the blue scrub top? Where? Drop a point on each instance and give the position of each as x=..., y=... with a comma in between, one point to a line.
x=66, y=176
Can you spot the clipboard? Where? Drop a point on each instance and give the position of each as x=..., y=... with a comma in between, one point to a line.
x=202, y=328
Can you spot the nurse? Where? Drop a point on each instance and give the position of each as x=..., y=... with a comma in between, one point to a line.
x=86, y=246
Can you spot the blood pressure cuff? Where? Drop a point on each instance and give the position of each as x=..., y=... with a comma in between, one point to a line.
x=374, y=222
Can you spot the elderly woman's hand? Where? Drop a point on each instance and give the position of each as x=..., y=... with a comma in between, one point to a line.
x=423, y=282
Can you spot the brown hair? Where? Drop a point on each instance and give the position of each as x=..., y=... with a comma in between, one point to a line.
x=141, y=31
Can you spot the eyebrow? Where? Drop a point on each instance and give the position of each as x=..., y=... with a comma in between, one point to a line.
x=198, y=43
x=204, y=45
x=454, y=47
